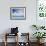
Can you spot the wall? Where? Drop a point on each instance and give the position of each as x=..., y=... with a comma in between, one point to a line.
x=24, y=25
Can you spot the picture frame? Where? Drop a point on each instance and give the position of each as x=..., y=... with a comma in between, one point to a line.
x=18, y=13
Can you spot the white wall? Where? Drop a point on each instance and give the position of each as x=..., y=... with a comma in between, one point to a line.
x=24, y=25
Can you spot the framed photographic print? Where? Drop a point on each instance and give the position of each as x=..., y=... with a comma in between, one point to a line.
x=18, y=13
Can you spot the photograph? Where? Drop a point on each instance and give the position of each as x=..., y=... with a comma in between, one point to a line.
x=18, y=13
